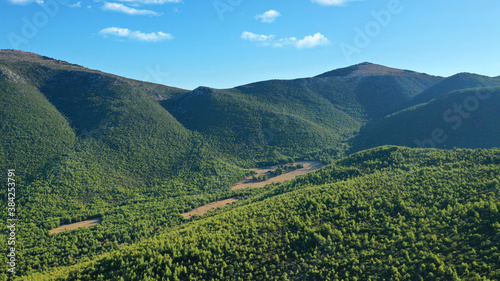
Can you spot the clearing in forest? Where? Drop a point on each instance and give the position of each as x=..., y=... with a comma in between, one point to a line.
x=248, y=182
x=67, y=227
x=209, y=207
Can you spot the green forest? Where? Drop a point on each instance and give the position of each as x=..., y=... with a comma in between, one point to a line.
x=388, y=213
x=136, y=155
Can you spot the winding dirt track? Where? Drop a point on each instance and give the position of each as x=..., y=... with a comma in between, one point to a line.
x=68, y=227
x=209, y=207
x=309, y=166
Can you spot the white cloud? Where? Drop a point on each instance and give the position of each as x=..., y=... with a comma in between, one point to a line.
x=118, y=7
x=313, y=41
x=269, y=16
x=20, y=2
x=136, y=35
x=76, y=5
x=333, y=2
x=158, y=2
x=252, y=37
x=270, y=40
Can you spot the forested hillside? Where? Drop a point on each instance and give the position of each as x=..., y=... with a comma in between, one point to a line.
x=294, y=118
x=269, y=120
x=88, y=144
x=383, y=90
x=30, y=122
x=456, y=82
x=388, y=213
x=464, y=118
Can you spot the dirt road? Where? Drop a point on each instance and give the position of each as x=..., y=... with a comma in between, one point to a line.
x=68, y=227
x=208, y=207
x=309, y=166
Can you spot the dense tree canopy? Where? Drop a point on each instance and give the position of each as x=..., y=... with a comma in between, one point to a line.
x=384, y=214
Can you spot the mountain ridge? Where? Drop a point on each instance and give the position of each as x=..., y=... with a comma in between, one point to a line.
x=256, y=115
x=357, y=70
x=463, y=80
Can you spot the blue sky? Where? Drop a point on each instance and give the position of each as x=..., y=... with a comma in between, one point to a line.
x=226, y=43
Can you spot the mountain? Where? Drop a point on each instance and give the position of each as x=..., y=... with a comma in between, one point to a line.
x=464, y=118
x=382, y=214
x=109, y=120
x=367, y=69
x=271, y=119
x=296, y=118
x=89, y=144
x=382, y=90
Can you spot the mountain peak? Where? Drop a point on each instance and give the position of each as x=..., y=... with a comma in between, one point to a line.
x=17, y=55
x=366, y=69
x=11, y=54
x=467, y=75
x=202, y=90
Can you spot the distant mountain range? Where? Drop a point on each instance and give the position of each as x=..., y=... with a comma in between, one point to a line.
x=346, y=109
x=361, y=105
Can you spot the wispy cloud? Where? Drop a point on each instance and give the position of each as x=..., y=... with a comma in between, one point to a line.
x=252, y=37
x=136, y=35
x=118, y=7
x=310, y=41
x=157, y=2
x=24, y=2
x=333, y=2
x=76, y=5
x=269, y=16
x=131, y=2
